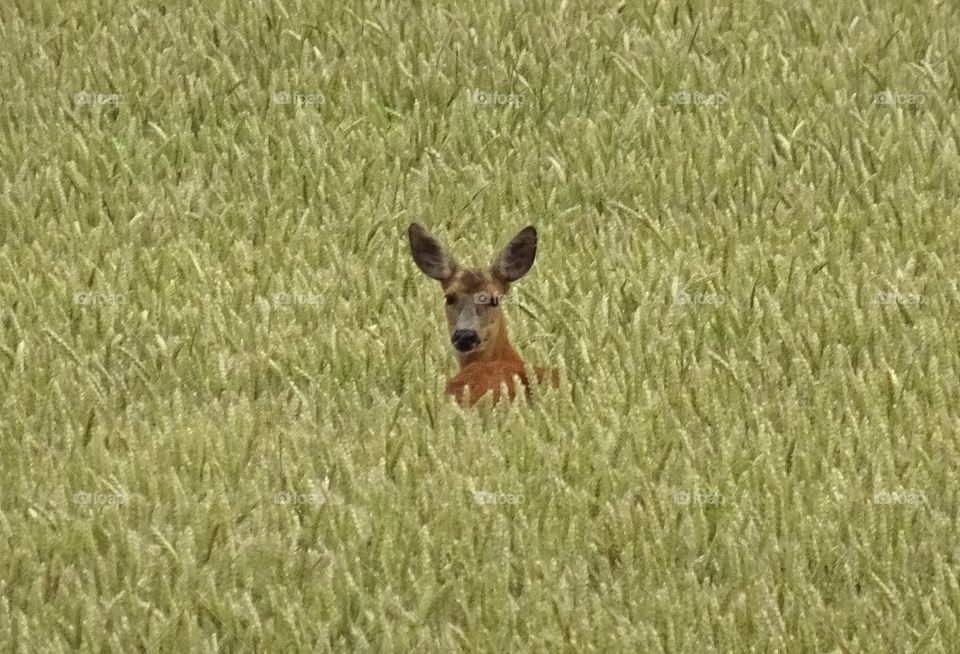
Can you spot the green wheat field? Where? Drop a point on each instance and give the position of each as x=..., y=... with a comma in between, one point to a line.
x=221, y=372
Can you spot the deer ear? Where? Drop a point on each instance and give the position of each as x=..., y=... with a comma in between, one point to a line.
x=428, y=254
x=516, y=259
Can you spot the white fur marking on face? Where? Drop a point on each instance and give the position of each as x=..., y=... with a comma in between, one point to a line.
x=468, y=318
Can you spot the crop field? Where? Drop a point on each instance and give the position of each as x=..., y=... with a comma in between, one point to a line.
x=222, y=418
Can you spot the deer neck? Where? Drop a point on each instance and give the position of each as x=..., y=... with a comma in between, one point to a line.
x=499, y=350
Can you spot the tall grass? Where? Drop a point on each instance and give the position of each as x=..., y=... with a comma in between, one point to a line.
x=221, y=372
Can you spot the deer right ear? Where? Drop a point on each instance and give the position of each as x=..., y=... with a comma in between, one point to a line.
x=428, y=254
x=515, y=260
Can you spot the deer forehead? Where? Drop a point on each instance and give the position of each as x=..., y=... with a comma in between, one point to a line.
x=472, y=280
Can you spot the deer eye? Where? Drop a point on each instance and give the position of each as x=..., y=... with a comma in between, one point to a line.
x=450, y=299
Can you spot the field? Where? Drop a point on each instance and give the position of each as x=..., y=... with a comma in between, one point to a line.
x=221, y=373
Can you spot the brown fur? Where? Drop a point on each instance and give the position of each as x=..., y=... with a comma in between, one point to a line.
x=494, y=364
x=475, y=380
x=472, y=281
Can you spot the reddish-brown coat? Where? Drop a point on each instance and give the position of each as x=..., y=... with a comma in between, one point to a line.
x=500, y=366
x=477, y=379
x=489, y=363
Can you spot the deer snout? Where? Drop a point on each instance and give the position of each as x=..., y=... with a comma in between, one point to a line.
x=465, y=340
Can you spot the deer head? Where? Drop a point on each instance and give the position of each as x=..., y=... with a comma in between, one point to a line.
x=472, y=296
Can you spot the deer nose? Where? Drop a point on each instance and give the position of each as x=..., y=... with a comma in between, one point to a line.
x=465, y=339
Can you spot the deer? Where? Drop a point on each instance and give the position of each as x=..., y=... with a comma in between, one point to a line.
x=476, y=323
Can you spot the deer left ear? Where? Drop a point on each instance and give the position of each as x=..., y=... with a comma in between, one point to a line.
x=428, y=254
x=516, y=259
